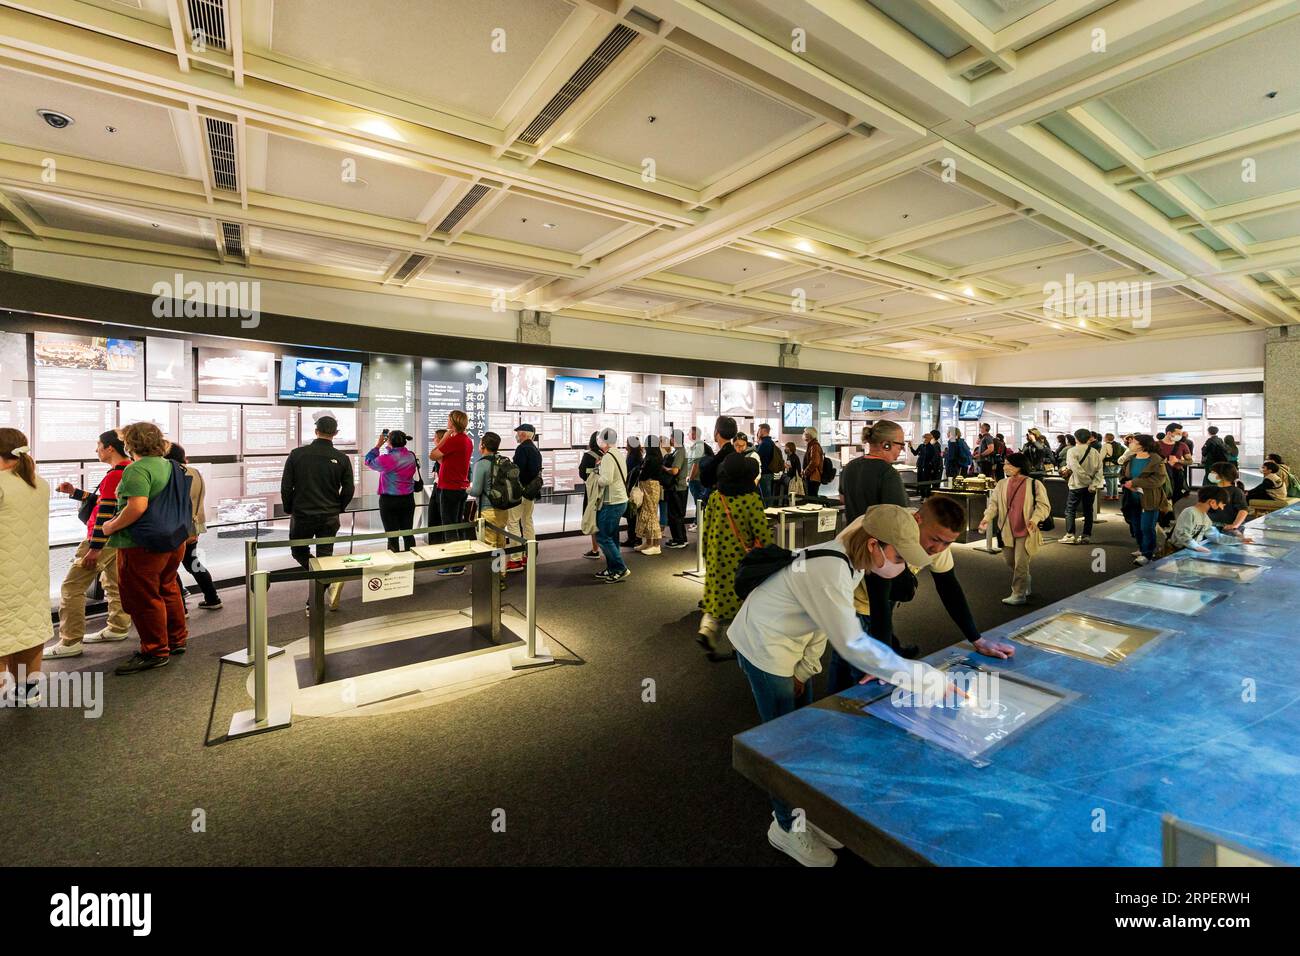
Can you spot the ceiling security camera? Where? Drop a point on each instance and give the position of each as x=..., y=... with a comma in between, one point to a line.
x=56, y=119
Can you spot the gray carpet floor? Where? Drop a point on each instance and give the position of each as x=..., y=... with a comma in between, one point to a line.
x=586, y=772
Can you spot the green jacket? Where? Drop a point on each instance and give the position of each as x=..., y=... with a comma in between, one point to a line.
x=1153, y=483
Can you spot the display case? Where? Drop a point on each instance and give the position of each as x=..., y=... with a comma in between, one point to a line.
x=977, y=724
x=1088, y=637
x=1189, y=567
x=1162, y=596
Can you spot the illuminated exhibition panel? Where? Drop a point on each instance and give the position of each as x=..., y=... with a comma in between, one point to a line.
x=1187, y=726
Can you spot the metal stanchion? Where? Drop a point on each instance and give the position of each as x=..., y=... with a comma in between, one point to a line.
x=263, y=716
x=698, y=572
x=245, y=658
x=530, y=556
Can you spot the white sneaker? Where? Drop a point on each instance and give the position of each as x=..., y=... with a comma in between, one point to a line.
x=654, y=550
x=62, y=650
x=1141, y=559
x=803, y=847
x=825, y=837
x=1136, y=554
x=107, y=634
x=1014, y=599
x=709, y=626
x=1068, y=539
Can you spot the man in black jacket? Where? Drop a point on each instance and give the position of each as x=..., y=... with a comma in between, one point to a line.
x=315, y=489
x=529, y=462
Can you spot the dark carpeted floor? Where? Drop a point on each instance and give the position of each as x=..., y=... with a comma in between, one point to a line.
x=586, y=772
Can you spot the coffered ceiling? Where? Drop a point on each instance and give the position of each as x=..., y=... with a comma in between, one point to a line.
x=885, y=177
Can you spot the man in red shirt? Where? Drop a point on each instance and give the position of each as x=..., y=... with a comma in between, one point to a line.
x=453, y=455
x=94, y=558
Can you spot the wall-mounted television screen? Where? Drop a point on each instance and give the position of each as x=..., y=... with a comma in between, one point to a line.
x=970, y=409
x=796, y=416
x=865, y=403
x=576, y=394
x=325, y=380
x=1174, y=409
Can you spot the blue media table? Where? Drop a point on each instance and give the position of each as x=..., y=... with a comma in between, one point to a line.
x=1167, y=730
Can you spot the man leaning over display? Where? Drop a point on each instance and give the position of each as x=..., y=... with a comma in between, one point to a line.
x=940, y=521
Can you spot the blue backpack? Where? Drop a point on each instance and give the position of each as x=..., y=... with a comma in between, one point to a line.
x=166, y=523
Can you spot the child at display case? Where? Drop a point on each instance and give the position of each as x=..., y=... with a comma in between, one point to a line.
x=1194, y=526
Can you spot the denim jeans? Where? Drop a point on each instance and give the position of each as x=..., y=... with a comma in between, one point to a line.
x=840, y=674
x=765, y=487
x=699, y=493
x=1079, y=499
x=607, y=519
x=775, y=698
x=1147, y=532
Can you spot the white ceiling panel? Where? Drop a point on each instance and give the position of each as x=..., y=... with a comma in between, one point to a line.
x=471, y=274
x=728, y=266
x=537, y=222
x=346, y=256
x=144, y=139
x=440, y=51
x=76, y=214
x=988, y=244
x=694, y=122
x=1217, y=92
x=903, y=203
x=314, y=173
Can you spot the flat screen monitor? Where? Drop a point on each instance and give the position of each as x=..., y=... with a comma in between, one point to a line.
x=1175, y=409
x=319, y=380
x=577, y=394
x=865, y=403
x=970, y=409
x=796, y=416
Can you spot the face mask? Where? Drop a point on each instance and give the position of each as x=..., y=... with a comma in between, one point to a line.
x=887, y=569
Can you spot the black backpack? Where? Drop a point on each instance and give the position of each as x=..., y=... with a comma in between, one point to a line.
x=761, y=563
x=828, y=470
x=504, y=489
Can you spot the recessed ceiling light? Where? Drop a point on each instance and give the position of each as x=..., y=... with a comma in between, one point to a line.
x=1083, y=324
x=968, y=291
x=1271, y=94
x=939, y=295
x=549, y=225
x=110, y=129
x=803, y=245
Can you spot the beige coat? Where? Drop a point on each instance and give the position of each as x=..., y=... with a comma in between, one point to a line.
x=25, y=557
x=1037, y=507
x=196, y=499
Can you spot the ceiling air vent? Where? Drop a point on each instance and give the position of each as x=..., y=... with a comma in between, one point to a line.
x=208, y=23
x=980, y=69
x=463, y=207
x=221, y=149
x=232, y=238
x=412, y=264
x=618, y=40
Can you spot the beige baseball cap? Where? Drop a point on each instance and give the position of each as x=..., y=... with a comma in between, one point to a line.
x=896, y=525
